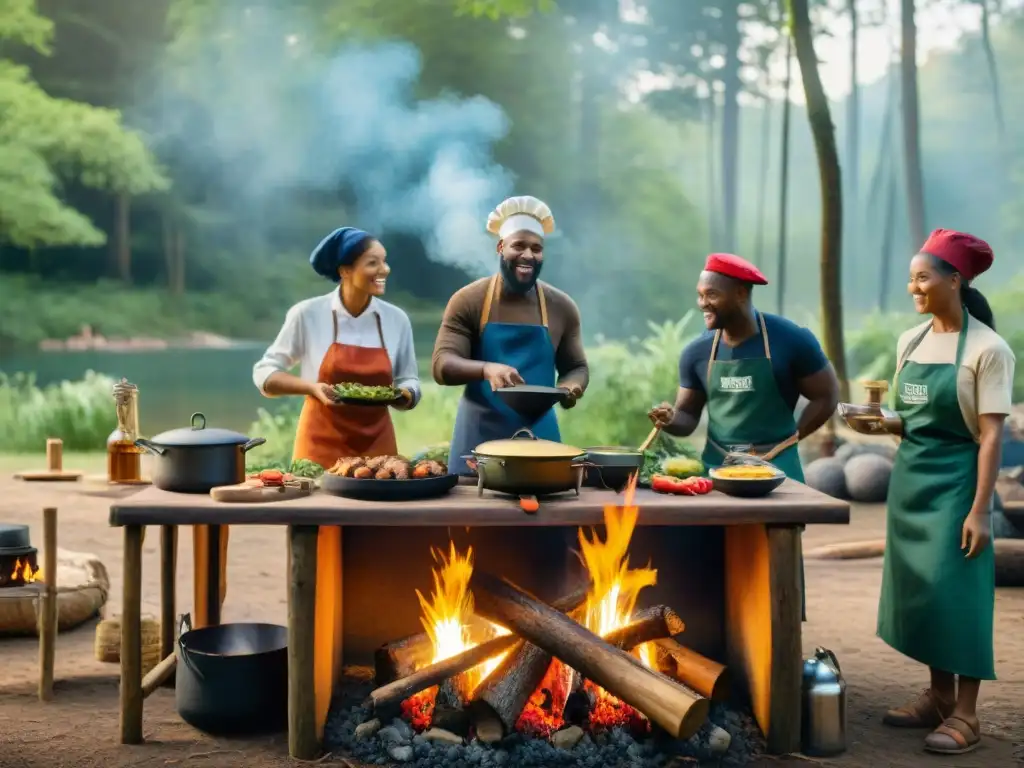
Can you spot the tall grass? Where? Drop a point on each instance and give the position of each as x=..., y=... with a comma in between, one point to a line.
x=627, y=378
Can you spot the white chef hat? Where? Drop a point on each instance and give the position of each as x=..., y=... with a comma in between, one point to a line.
x=521, y=213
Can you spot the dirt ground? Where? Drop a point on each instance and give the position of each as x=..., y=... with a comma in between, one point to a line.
x=80, y=726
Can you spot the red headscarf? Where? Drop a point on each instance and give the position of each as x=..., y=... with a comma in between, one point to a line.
x=967, y=254
x=735, y=267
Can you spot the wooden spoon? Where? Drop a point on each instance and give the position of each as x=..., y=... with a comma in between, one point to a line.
x=650, y=439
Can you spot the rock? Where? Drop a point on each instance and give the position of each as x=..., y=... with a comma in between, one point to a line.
x=489, y=730
x=846, y=451
x=567, y=738
x=719, y=740
x=401, y=754
x=884, y=448
x=867, y=478
x=367, y=730
x=441, y=736
x=403, y=728
x=827, y=476
x=391, y=735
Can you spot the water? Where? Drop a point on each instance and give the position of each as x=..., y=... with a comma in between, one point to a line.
x=172, y=383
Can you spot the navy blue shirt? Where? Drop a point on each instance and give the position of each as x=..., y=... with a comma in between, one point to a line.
x=796, y=354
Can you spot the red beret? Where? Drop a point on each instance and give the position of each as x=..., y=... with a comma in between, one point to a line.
x=733, y=266
x=969, y=255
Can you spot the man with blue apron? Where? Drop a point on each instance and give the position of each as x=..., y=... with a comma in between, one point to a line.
x=507, y=330
x=750, y=369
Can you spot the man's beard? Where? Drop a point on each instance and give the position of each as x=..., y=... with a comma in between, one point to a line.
x=513, y=281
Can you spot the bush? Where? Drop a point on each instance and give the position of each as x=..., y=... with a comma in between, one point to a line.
x=81, y=413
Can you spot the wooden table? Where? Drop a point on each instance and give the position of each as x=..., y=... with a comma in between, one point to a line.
x=762, y=573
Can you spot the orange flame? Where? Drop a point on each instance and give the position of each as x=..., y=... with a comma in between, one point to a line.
x=22, y=572
x=615, y=586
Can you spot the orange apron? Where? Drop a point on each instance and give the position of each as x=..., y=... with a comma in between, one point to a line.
x=327, y=433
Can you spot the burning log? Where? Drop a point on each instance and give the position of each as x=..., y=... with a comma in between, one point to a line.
x=506, y=691
x=707, y=677
x=673, y=706
x=399, y=654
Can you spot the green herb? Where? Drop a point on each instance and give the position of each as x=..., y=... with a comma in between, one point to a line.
x=437, y=452
x=299, y=468
x=365, y=392
x=663, y=448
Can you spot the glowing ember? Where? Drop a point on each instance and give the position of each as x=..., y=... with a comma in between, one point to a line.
x=543, y=713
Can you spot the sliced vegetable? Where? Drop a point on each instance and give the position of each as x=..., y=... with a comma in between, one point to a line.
x=365, y=392
x=682, y=466
x=690, y=486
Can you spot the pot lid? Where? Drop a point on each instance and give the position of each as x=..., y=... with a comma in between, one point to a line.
x=14, y=537
x=523, y=445
x=199, y=434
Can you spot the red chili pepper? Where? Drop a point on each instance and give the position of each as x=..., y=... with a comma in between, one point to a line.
x=690, y=486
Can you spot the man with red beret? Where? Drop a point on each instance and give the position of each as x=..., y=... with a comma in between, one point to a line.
x=749, y=368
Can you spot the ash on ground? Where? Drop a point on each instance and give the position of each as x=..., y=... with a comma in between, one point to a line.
x=393, y=742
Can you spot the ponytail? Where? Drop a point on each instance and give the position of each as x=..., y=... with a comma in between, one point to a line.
x=977, y=305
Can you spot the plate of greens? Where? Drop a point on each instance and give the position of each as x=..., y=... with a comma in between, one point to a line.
x=351, y=393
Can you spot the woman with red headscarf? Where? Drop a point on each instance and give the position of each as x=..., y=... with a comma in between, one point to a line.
x=950, y=396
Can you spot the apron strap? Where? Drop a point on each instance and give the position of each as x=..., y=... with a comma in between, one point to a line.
x=492, y=296
x=718, y=336
x=485, y=314
x=380, y=332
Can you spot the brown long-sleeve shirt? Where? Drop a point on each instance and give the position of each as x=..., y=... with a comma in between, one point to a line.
x=461, y=327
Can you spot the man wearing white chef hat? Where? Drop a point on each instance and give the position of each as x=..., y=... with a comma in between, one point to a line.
x=509, y=329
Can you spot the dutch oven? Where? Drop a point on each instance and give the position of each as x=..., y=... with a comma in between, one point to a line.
x=196, y=459
x=527, y=466
x=233, y=678
x=611, y=467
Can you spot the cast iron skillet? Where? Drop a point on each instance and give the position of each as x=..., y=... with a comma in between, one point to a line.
x=369, y=489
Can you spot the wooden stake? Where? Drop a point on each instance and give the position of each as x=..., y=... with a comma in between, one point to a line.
x=302, y=725
x=48, y=602
x=54, y=454
x=131, y=637
x=673, y=706
x=168, y=574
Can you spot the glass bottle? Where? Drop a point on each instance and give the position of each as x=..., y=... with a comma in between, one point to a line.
x=124, y=458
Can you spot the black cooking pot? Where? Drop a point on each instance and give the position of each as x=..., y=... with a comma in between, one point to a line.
x=196, y=459
x=611, y=467
x=233, y=678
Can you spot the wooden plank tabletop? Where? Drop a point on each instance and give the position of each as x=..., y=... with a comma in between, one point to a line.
x=791, y=504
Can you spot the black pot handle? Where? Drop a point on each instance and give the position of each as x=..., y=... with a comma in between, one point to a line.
x=153, y=448
x=183, y=654
x=253, y=443
x=523, y=434
x=200, y=418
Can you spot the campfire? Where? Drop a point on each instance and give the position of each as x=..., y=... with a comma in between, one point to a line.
x=495, y=662
x=19, y=571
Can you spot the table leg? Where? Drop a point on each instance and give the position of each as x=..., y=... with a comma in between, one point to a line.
x=213, y=575
x=763, y=599
x=48, y=605
x=302, y=722
x=131, y=637
x=168, y=592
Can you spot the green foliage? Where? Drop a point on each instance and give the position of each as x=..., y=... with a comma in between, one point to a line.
x=45, y=141
x=81, y=413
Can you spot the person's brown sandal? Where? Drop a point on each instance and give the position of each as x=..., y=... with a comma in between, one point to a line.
x=926, y=711
x=954, y=736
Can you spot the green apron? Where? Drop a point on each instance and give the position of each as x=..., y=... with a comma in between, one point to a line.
x=746, y=411
x=936, y=606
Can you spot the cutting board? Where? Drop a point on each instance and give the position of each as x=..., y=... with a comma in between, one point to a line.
x=49, y=476
x=253, y=495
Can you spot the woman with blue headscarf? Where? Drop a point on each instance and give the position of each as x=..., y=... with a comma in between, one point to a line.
x=347, y=335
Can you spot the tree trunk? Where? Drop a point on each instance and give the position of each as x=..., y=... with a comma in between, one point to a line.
x=780, y=280
x=730, y=122
x=762, y=184
x=121, y=242
x=993, y=75
x=888, y=232
x=853, y=138
x=711, y=121
x=174, y=254
x=830, y=179
x=911, y=124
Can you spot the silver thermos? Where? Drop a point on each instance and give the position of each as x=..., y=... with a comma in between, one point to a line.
x=824, y=705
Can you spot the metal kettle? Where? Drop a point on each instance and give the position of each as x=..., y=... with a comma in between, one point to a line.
x=824, y=705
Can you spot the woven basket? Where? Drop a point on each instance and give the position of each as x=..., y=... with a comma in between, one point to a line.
x=108, y=642
x=82, y=586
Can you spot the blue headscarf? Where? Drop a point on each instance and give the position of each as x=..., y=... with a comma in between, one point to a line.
x=339, y=249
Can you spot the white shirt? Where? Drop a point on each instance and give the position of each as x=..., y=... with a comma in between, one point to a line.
x=306, y=335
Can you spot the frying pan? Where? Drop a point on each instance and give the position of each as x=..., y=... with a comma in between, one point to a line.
x=531, y=401
x=369, y=489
